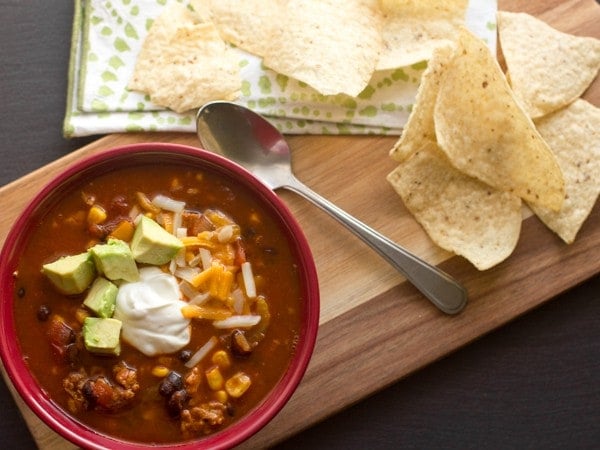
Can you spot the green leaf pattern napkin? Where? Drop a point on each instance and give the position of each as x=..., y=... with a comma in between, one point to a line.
x=107, y=35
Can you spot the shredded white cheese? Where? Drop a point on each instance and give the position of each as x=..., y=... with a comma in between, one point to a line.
x=248, y=277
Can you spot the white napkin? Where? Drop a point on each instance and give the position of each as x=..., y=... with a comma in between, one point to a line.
x=107, y=37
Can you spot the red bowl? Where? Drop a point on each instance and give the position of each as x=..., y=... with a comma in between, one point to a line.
x=35, y=396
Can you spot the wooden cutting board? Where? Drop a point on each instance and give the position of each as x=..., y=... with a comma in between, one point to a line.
x=375, y=328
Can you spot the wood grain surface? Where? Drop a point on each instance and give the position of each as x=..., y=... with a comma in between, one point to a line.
x=375, y=328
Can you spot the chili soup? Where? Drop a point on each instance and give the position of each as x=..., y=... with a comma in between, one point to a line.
x=159, y=303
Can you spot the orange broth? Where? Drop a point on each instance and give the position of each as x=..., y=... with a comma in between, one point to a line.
x=146, y=419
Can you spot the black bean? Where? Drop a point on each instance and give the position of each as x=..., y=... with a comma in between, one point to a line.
x=185, y=355
x=230, y=409
x=43, y=313
x=239, y=344
x=170, y=384
x=176, y=402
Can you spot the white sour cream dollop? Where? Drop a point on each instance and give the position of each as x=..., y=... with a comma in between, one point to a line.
x=150, y=310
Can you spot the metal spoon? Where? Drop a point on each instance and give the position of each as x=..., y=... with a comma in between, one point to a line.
x=250, y=140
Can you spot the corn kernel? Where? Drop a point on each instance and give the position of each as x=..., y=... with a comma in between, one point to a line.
x=160, y=371
x=221, y=396
x=214, y=378
x=123, y=231
x=221, y=359
x=238, y=384
x=96, y=214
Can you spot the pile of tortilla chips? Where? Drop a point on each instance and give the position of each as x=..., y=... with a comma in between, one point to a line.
x=333, y=46
x=471, y=152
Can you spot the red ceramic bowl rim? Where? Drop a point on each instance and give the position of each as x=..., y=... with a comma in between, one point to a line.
x=80, y=434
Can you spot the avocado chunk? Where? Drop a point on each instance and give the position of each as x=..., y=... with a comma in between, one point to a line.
x=152, y=244
x=115, y=261
x=102, y=335
x=71, y=274
x=102, y=297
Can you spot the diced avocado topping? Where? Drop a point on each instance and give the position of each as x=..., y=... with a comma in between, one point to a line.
x=101, y=335
x=115, y=260
x=152, y=244
x=101, y=298
x=71, y=274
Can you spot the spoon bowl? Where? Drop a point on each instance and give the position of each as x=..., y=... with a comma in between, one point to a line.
x=248, y=139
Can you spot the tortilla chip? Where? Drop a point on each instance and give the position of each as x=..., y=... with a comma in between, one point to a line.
x=573, y=133
x=412, y=29
x=486, y=134
x=163, y=29
x=547, y=69
x=420, y=129
x=331, y=45
x=184, y=64
x=247, y=24
x=459, y=213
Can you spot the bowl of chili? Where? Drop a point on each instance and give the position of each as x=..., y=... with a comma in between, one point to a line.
x=156, y=295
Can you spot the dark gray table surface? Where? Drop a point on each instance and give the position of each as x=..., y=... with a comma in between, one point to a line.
x=534, y=383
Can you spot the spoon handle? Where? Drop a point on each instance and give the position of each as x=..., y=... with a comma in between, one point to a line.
x=441, y=289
